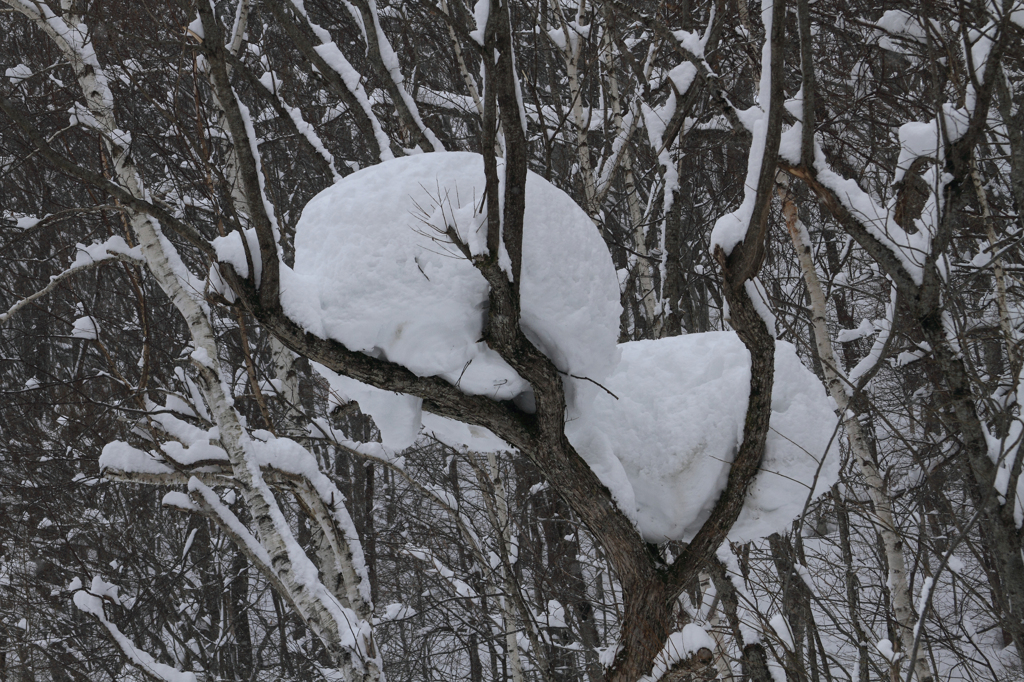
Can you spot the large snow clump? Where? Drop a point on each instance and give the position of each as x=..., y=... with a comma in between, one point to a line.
x=664, y=443
x=374, y=271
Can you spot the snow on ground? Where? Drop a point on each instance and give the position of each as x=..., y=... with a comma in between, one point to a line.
x=374, y=270
x=664, y=446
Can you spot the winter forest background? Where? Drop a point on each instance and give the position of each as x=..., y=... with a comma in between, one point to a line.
x=237, y=445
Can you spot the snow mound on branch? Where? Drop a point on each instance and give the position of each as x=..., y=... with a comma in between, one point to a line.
x=664, y=446
x=85, y=328
x=375, y=271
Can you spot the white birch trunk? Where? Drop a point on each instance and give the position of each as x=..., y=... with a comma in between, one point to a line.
x=902, y=603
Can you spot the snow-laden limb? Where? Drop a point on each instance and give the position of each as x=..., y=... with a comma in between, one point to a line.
x=380, y=50
x=871, y=362
x=902, y=254
x=467, y=77
x=1005, y=451
x=625, y=126
x=253, y=145
x=732, y=228
x=343, y=80
x=91, y=601
x=271, y=83
x=201, y=499
x=325, y=504
x=283, y=461
x=86, y=258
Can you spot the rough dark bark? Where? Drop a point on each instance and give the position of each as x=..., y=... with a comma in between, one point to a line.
x=238, y=611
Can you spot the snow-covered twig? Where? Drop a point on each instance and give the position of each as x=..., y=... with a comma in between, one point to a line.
x=96, y=254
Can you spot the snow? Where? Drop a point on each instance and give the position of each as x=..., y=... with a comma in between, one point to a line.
x=458, y=435
x=664, y=446
x=28, y=222
x=396, y=416
x=864, y=330
x=679, y=647
x=18, y=73
x=884, y=647
x=120, y=456
x=395, y=611
x=196, y=27
x=554, y=617
x=759, y=299
x=99, y=251
x=557, y=36
x=374, y=271
x=179, y=500
x=916, y=140
x=230, y=250
x=691, y=42
x=85, y=328
x=197, y=453
x=481, y=12
x=102, y=588
x=780, y=625
x=682, y=76
x=399, y=417
x=791, y=141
